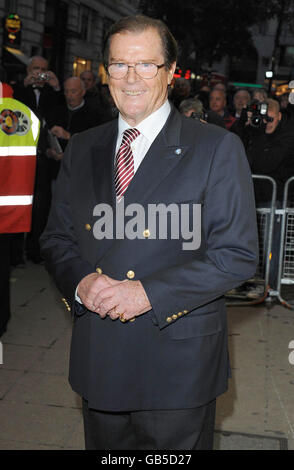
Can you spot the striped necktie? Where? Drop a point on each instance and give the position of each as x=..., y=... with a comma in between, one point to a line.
x=124, y=165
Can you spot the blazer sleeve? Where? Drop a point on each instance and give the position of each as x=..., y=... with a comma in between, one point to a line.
x=59, y=244
x=229, y=235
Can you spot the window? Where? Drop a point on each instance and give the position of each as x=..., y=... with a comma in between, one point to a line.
x=80, y=65
x=11, y=6
x=107, y=22
x=85, y=27
x=287, y=56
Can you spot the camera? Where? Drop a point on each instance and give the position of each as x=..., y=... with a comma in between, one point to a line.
x=43, y=76
x=259, y=113
x=200, y=116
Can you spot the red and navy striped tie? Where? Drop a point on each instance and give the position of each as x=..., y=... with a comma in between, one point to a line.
x=124, y=166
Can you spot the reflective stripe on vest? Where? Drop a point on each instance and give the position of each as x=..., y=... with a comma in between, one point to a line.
x=17, y=150
x=16, y=200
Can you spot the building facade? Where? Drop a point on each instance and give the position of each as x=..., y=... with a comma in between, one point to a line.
x=258, y=61
x=69, y=33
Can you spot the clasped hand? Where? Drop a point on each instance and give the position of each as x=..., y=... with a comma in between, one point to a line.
x=106, y=296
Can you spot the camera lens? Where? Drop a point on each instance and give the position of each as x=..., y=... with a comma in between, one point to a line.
x=256, y=121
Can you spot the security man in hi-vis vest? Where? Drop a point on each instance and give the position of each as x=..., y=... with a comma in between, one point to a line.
x=19, y=133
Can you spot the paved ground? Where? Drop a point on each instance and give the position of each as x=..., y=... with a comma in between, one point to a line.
x=38, y=410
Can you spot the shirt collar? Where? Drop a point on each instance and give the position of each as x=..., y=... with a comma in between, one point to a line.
x=77, y=107
x=151, y=126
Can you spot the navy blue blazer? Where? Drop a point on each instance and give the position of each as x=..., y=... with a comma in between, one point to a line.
x=176, y=355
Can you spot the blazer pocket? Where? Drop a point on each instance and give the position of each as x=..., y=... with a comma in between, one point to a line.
x=195, y=326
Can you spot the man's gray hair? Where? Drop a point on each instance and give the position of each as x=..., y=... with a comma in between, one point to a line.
x=191, y=104
x=31, y=59
x=138, y=24
x=76, y=79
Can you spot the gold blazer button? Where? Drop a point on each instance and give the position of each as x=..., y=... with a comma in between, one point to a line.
x=99, y=270
x=169, y=319
x=130, y=274
x=146, y=233
x=174, y=316
x=88, y=227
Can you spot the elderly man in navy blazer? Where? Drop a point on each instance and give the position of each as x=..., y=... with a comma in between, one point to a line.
x=152, y=222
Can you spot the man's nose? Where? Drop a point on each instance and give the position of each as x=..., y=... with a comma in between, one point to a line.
x=132, y=76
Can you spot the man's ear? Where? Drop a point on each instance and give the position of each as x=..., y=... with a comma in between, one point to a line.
x=280, y=115
x=171, y=72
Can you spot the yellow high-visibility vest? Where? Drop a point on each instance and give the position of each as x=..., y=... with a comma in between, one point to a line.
x=19, y=133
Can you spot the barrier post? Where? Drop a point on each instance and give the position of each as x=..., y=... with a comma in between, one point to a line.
x=286, y=263
x=265, y=230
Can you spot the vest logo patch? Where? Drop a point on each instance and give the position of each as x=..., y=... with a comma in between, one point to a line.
x=14, y=122
x=24, y=123
x=8, y=122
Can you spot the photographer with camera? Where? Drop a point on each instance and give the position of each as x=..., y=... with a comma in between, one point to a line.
x=193, y=108
x=40, y=91
x=269, y=143
x=268, y=138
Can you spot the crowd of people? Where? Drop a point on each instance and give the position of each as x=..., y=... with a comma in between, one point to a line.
x=268, y=139
x=265, y=126
x=63, y=109
x=81, y=103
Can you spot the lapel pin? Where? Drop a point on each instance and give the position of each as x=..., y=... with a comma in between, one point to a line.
x=178, y=151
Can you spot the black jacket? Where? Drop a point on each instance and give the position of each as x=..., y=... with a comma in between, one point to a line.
x=48, y=101
x=74, y=122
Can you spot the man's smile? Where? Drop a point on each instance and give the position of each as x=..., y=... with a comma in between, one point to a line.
x=134, y=92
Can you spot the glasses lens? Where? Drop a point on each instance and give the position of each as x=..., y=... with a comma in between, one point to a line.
x=117, y=70
x=146, y=70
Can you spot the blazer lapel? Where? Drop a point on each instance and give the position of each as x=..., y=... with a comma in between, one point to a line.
x=164, y=154
x=102, y=156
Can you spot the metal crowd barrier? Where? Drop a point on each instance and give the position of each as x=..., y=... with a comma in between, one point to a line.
x=265, y=225
x=286, y=253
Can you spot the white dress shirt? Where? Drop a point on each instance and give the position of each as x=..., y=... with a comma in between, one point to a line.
x=149, y=129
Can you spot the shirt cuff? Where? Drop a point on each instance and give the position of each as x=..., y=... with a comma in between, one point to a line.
x=77, y=298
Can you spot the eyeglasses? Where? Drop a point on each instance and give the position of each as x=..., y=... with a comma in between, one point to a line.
x=143, y=70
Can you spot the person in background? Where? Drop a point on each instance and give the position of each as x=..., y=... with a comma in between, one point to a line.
x=217, y=103
x=220, y=86
x=194, y=108
x=181, y=91
x=270, y=151
x=75, y=116
x=259, y=94
x=284, y=101
x=41, y=92
x=95, y=97
x=241, y=100
x=19, y=133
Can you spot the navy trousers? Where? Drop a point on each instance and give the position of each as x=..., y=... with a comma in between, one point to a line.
x=188, y=429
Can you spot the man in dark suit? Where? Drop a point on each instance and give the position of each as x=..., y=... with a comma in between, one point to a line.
x=74, y=116
x=149, y=350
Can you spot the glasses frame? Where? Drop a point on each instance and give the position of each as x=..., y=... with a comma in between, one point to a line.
x=134, y=67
